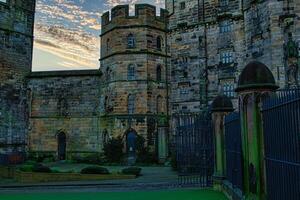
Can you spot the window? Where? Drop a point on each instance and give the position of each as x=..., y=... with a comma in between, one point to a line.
x=184, y=91
x=158, y=42
x=158, y=73
x=108, y=73
x=159, y=104
x=130, y=41
x=5, y=39
x=106, y=103
x=228, y=89
x=225, y=26
x=131, y=104
x=105, y=137
x=131, y=72
x=4, y=1
x=62, y=107
x=224, y=3
x=227, y=57
x=182, y=5
x=107, y=45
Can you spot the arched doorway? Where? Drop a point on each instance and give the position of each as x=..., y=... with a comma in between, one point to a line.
x=131, y=137
x=61, y=146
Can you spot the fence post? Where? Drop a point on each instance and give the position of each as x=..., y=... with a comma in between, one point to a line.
x=255, y=82
x=221, y=106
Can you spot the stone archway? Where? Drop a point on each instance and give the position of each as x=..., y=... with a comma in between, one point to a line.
x=61, y=146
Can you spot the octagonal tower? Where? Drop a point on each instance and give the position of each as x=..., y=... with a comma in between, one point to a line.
x=134, y=64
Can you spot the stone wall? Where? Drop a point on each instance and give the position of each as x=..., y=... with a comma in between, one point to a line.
x=68, y=102
x=210, y=42
x=16, y=39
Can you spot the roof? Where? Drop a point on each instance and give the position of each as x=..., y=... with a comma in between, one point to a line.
x=222, y=103
x=256, y=75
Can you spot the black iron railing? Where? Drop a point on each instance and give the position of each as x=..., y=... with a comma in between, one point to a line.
x=281, y=123
x=194, y=148
x=233, y=147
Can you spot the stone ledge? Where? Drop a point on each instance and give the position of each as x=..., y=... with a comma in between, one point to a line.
x=35, y=177
x=32, y=177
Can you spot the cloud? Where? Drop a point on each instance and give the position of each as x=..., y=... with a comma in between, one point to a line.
x=70, y=29
x=72, y=45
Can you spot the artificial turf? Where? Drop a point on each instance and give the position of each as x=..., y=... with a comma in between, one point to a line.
x=153, y=195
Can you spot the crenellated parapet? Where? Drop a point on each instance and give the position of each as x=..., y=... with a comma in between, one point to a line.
x=145, y=15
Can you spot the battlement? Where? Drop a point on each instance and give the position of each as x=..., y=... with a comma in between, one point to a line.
x=120, y=14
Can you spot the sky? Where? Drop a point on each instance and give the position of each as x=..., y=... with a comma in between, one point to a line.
x=66, y=33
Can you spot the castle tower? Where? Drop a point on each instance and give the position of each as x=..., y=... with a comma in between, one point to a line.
x=16, y=42
x=134, y=65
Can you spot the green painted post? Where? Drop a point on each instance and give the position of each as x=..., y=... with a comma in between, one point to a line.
x=255, y=83
x=221, y=106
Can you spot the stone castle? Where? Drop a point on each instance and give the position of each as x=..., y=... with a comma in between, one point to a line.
x=151, y=69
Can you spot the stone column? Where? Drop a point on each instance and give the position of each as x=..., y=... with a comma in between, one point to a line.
x=255, y=83
x=221, y=106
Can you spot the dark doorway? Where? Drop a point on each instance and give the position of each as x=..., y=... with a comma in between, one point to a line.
x=61, y=147
x=131, y=146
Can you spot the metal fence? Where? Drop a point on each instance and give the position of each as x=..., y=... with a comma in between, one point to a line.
x=194, y=150
x=233, y=147
x=281, y=123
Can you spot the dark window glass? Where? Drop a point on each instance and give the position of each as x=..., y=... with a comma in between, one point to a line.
x=130, y=41
x=131, y=104
x=227, y=57
x=131, y=72
x=182, y=5
x=158, y=73
x=225, y=26
x=158, y=43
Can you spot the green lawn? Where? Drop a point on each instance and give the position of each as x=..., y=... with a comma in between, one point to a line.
x=155, y=195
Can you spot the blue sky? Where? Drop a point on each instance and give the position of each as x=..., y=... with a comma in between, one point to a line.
x=67, y=32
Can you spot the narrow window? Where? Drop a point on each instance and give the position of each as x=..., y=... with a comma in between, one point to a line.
x=130, y=41
x=131, y=104
x=105, y=137
x=131, y=72
x=182, y=5
x=4, y=1
x=107, y=45
x=108, y=78
x=159, y=43
x=159, y=104
x=106, y=103
x=158, y=73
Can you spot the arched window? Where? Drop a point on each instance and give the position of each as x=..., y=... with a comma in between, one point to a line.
x=159, y=42
x=159, y=104
x=131, y=104
x=130, y=41
x=158, y=73
x=131, y=72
